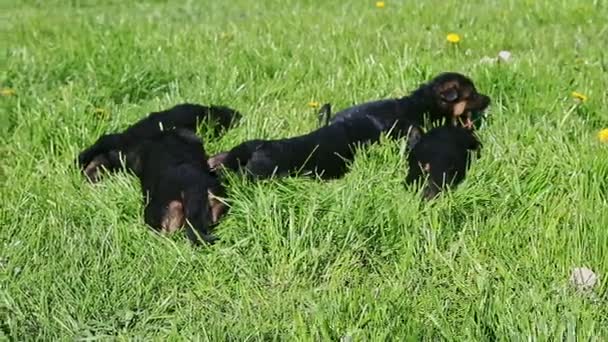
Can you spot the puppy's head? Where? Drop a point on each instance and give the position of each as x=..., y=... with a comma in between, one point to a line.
x=455, y=98
x=442, y=156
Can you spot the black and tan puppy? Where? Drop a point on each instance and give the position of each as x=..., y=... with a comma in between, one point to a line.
x=185, y=116
x=449, y=97
x=442, y=154
x=178, y=188
x=324, y=152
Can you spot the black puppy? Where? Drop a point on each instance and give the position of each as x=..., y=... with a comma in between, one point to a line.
x=325, y=152
x=443, y=155
x=177, y=185
x=185, y=116
x=450, y=97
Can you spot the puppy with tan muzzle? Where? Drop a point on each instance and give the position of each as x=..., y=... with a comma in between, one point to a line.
x=449, y=97
x=327, y=151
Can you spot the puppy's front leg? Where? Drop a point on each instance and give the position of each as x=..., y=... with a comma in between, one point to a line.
x=103, y=145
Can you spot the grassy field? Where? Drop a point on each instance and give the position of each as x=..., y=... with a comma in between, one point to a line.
x=359, y=258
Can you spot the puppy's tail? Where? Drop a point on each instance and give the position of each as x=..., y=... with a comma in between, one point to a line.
x=223, y=117
x=324, y=114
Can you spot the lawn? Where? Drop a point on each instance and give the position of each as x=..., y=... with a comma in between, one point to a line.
x=360, y=258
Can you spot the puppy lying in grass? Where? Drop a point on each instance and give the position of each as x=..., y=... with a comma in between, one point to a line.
x=327, y=150
x=443, y=155
x=178, y=187
x=186, y=116
x=171, y=164
x=449, y=96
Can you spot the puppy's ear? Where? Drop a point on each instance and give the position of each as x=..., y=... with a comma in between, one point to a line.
x=414, y=135
x=449, y=95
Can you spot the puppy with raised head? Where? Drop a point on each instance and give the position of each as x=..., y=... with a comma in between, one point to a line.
x=178, y=188
x=442, y=154
x=326, y=151
x=185, y=116
x=449, y=97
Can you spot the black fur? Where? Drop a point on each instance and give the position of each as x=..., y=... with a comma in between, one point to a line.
x=443, y=155
x=325, y=152
x=174, y=168
x=175, y=181
x=184, y=116
x=324, y=114
x=435, y=101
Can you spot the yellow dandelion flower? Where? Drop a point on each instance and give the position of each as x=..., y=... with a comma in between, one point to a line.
x=314, y=104
x=226, y=36
x=7, y=92
x=579, y=96
x=101, y=113
x=602, y=135
x=380, y=4
x=453, y=38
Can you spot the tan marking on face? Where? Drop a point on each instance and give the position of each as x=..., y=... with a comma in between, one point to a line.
x=174, y=217
x=459, y=108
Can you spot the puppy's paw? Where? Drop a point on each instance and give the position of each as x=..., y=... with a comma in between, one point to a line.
x=92, y=170
x=217, y=161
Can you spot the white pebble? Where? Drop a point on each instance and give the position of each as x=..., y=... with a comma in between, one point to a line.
x=346, y=338
x=504, y=56
x=583, y=278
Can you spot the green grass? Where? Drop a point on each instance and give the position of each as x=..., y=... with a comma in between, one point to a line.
x=302, y=259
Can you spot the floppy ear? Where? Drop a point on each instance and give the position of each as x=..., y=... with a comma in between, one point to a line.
x=449, y=95
x=414, y=135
